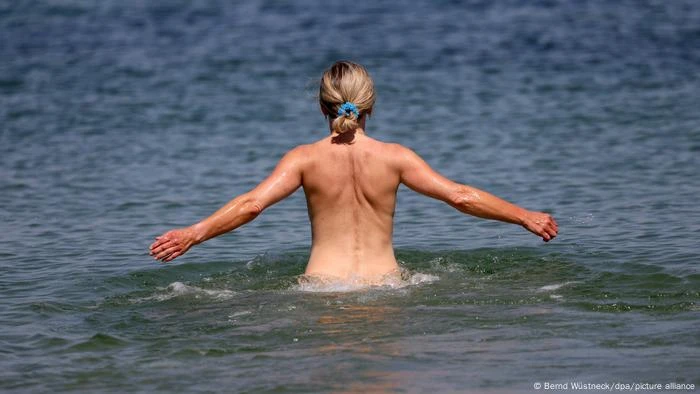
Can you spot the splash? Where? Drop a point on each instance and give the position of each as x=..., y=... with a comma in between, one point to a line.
x=555, y=286
x=582, y=219
x=179, y=289
x=393, y=280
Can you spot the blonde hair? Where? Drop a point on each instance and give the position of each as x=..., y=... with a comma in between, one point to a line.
x=345, y=82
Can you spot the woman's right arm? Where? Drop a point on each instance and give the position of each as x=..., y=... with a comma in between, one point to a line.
x=417, y=175
x=284, y=180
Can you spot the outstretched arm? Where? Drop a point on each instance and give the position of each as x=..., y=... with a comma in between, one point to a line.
x=417, y=175
x=284, y=180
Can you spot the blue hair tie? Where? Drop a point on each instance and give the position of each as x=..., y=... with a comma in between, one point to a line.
x=347, y=108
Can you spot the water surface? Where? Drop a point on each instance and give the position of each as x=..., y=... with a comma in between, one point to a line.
x=120, y=120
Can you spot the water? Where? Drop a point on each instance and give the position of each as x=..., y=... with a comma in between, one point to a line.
x=120, y=120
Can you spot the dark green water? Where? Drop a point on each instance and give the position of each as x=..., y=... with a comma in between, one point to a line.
x=120, y=120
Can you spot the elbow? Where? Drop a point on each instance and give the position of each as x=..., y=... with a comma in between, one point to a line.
x=465, y=199
x=251, y=208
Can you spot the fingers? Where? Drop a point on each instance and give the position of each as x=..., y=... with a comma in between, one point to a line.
x=165, y=253
x=172, y=256
x=550, y=230
x=154, y=244
x=158, y=242
x=161, y=245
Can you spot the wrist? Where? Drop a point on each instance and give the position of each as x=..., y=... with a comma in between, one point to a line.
x=522, y=216
x=198, y=232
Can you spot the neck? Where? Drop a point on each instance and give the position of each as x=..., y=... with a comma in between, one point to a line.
x=358, y=131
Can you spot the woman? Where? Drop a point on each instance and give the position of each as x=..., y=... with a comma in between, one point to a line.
x=350, y=182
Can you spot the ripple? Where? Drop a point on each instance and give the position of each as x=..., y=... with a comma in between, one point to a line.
x=98, y=342
x=181, y=290
x=119, y=120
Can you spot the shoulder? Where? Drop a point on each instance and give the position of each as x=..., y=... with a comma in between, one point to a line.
x=299, y=151
x=388, y=148
x=395, y=155
x=295, y=157
x=399, y=154
x=400, y=149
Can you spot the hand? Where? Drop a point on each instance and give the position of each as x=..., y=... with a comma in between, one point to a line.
x=172, y=244
x=541, y=224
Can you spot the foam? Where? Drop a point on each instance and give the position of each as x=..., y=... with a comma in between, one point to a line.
x=553, y=287
x=179, y=289
x=393, y=280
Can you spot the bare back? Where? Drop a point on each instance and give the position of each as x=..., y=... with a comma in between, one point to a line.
x=351, y=195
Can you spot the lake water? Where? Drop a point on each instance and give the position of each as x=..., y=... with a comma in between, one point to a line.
x=120, y=120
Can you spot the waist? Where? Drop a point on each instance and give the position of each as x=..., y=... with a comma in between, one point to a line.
x=354, y=264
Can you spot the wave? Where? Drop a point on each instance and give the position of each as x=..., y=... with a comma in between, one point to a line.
x=179, y=289
x=555, y=286
x=485, y=276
